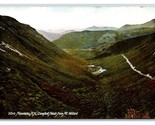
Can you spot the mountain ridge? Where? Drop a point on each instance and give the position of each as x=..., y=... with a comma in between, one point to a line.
x=101, y=28
x=150, y=23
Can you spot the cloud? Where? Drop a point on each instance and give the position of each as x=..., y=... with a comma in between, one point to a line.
x=52, y=18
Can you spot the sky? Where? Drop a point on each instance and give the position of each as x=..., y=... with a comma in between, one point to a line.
x=56, y=18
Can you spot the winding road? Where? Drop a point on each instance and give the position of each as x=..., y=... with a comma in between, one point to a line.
x=133, y=68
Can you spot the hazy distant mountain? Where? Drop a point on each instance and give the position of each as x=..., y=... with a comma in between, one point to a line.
x=51, y=36
x=62, y=31
x=96, y=28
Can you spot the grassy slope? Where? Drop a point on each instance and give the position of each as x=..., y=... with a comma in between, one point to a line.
x=42, y=82
x=84, y=54
x=120, y=88
x=122, y=46
x=124, y=34
x=79, y=40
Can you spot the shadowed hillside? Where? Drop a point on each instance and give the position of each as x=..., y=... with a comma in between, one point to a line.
x=121, y=88
x=35, y=74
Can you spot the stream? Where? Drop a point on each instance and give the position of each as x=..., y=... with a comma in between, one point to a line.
x=96, y=70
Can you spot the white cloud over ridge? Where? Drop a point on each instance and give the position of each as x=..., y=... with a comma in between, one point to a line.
x=68, y=17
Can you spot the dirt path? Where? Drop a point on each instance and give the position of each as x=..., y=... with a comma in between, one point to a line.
x=133, y=68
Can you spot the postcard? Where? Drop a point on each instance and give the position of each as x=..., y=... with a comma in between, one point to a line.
x=70, y=61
